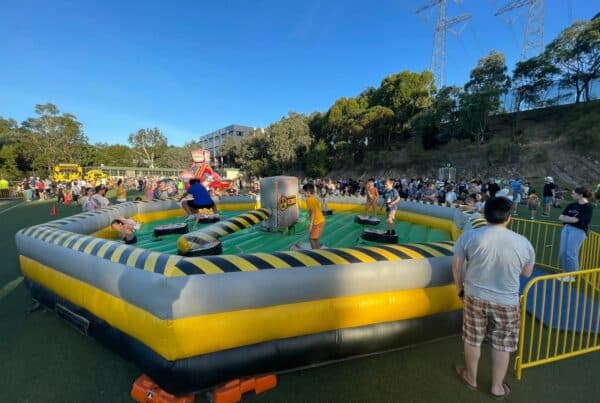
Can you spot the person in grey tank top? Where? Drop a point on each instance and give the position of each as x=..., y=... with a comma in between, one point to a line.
x=486, y=267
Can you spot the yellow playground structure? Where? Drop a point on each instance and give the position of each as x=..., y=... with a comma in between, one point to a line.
x=71, y=172
x=95, y=175
x=67, y=172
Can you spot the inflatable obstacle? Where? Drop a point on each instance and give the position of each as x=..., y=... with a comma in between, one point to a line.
x=378, y=235
x=327, y=211
x=202, y=321
x=366, y=220
x=174, y=228
x=208, y=218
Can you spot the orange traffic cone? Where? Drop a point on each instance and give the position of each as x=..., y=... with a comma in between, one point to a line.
x=54, y=210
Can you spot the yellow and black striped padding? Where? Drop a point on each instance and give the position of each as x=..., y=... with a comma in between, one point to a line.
x=213, y=232
x=478, y=222
x=172, y=265
x=312, y=258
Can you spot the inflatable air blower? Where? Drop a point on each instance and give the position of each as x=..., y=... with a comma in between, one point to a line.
x=279, y=194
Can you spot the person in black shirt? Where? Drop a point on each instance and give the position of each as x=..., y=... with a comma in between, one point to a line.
x=576, y=218
x=548, y=195
x=492, y=188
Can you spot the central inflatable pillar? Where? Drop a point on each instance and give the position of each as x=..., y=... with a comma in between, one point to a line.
x=279, y=194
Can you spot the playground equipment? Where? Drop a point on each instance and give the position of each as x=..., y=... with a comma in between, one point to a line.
x=203, y=321
x=67, y=172
x=95, y=175
x=201, y=169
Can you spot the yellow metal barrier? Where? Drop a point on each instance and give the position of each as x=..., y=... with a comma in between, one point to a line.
x=545, y=238
x=563, y=320
x=563, y=326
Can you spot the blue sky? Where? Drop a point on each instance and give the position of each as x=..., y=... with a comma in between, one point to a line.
x=190, y=67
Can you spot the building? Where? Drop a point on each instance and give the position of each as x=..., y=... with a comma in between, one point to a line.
x=213, y=141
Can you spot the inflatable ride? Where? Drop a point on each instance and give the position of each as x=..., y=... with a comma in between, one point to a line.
x=195, y=322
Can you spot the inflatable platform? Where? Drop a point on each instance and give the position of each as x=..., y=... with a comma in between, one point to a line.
x=192, y=323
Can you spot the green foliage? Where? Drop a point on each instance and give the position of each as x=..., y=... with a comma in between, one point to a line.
x=501, y=150
x=482, y=95
x=584, y=133
x=316, y=160
x=8, y=162
x=111, y=155
x=147, y=145
x=52, y=138
x=577, y=52
x=541, y=156
x=287, y=140
x=533, y=77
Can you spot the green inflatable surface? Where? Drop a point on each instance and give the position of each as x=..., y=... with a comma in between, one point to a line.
x=340, y=231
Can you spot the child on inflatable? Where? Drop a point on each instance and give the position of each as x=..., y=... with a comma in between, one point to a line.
x=392, y=198
x=201, y=200
x=315, y=216
x=372, y=197
x=126, y=228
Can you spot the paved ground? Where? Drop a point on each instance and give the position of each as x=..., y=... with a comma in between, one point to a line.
x=42, y=359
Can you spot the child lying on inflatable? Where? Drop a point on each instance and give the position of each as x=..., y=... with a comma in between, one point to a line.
x=126, y=228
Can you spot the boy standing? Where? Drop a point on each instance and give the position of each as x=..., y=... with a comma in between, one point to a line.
x=372, y=197
x=392, y=198
x=532, y=204
x=315, y=216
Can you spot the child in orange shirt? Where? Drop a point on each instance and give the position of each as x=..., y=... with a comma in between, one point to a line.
x=315, y=216
x=532, y=204
x=372, y=197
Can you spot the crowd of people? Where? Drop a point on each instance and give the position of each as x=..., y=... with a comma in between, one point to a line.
x=462, y=193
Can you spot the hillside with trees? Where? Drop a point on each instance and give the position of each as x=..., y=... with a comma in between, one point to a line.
x=540, y=119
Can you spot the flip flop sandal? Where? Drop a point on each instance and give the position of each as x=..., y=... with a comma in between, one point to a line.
x=507, y=391
x=460, y=371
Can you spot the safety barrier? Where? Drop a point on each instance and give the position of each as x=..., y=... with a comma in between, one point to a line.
x=545, y=238
x=559, y=318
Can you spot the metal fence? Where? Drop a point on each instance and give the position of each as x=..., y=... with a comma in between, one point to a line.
x=560, y=315
x=557, y=94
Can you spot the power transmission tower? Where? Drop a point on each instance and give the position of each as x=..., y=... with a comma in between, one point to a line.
x=438, y=57
x=533, y=43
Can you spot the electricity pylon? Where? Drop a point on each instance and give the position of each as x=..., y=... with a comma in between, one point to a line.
x=533, y=43
x=438, y=57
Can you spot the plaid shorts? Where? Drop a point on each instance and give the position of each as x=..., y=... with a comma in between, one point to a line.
x=499, y=323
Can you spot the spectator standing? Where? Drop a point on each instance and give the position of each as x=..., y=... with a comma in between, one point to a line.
x=495, y=257
x=576, y=218
x=548, y=195
x=121, y=191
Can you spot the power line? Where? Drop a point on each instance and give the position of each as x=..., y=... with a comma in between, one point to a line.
x=533, y=43
x=438, y=57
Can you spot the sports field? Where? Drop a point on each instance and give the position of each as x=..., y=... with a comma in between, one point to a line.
x=43, y=359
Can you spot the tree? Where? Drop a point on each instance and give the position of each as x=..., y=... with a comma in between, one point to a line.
x=488, y=81
x=316, y=161
x=344, y=130
x=533, y=77
x=176, y=157
x=52, y=138
x=577, y=51
x=406, y=94
x=147, y=145
x=378, y=123
x=112, y=155
x=288, y=139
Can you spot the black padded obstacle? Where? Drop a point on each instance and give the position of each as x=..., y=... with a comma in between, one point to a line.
x=366, y=220
x=209, y=218
x=207, y=249
x=327, y=211
x=175, y=228
x=377, y=235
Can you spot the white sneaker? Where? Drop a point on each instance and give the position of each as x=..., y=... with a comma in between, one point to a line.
x=191, y=217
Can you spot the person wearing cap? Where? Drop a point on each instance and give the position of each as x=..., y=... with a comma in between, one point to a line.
x=100, y=197
x=548, y=195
